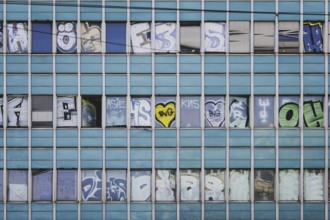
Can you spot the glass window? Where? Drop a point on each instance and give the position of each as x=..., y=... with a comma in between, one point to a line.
x=215, y=37
x=165, y=37
x=190, y=37
x=91, y=185
x=288, y=114
x=116, y=37
x=264, y=185
x=140, y=112
x=17, y=111
x=263, y=111
x=1, y=185
x=141, y=37
x=91, y=111
x=238, y=112
x=313, y=111
x=91, y=37
x=66, y=40
x=42, y=185
x=140, y=185
x=42, y=111
x=289, y=185
x=264, y=37
x=288, y=37
x=17, y=185
x=313, y=41
x=313, y=185
x=17, y=41
x=67, y=185
x=116, y=185
x=190, y=112
x=42, y=37
x=239, y=37
x=67, y=111
x=190, y=185
x=116, y=111
x=165, y=111
x=214, y=114
x=214, y=185
x=239, y=185
x=165, y=185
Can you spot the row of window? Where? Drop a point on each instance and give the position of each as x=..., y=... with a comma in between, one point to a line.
x=190, y=37
x=165, y=111
x=165, y=182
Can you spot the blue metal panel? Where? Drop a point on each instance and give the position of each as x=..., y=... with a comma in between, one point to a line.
x=91, y=10
x=91, y=64
x=141, y=138
x=141, y=84
x=239, y=158
x=115, y=138
x=1, y=83
x=116, y=64
x=17, y=64
x=214, y=84
x=2, y=211
x=264, y=138
x=41, y=37
x=66, y=64
x=1, y=137
x=314, y=138
x=116, y=158
x=165, y=64
x=17, y=11
x=1, y=166
x=165, y=211
x=264, y=6
x=41, y=64
x=190, y=138
x=67, y=138
x=116, y=37
x=67, y=84
x=215, y=16
x=214, y=211
x=42, y=10
x=190, y=15
x=116, y=211
x=190, y=211
x=91, y=138
x=288, y=211
x=138, y=14
x=264, y=158
x=239, y=84
x=288, y=64
x=264, y=63
x=91, y=211
x=313, y=64
x=289, y=137
x=264, y=84
x=240, y=137
x=42, y=211
x=314, y=84
x=244, y=6
x=67, y=158
x=215, y=138
x=116, y=84
x=42, y=158
x=292, y=9
x=240, y=211
x=17, y=211
x=91, y=158
x=66, y=211
x=264, y=211
x=140, y=64
x=314, y=10
x=91, y=84
x=141, y=211
x=314, y=157
x=215, y=158
x=17, y=158
x=314, y=211
x=215, y=64
x=66, y=11
x=165, y=84
x=190, y=84
x=165, y=158
x=165, y=15
x=190, y=158
x=141, y=158
x=1, y=62
x=289, y=84
x=115, y=11
x=17, y=84
x=41, y=84
x=190, y=64
x=165, y=138
x=17, y=138
x=289, y=158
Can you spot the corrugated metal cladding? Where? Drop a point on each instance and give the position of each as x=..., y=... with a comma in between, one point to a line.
x=164, y=109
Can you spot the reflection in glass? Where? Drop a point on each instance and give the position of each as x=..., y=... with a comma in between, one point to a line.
x=264, y=185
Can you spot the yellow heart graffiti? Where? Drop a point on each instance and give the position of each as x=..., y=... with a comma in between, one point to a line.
x=165, y=113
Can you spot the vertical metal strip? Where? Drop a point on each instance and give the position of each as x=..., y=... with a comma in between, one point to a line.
x=5, y=176
x=202, y=110
x=178, y=109
x=79, y=110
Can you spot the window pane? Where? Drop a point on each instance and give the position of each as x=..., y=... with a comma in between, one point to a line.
x=165, y=185
x=42, y=37
x=190, y=38
x=239, y=37
x=313, y=42
x=91, y=111
x=116, y=111
x=214, y=111
x=17, y=37
x=313, y=185
x=67, y=185
x=239, y=185
x=313, y=111
x=67, y=111
x=214, y=185
x=288, y=115
x=17, y=111
x=141, y=185
x=1, y=185
x=190, y=112
x=165, y=37
x=215, y=37
x=66, y=37
x=141, y=112
x=289, y=185
x=190, y=185
x=116, y=38
x=263, y=111
x=165, y=111
x=116, y=185
x=141, y=38
x=264, y=37
x=17, y=185
x=91, y=37
x=91, y=185
x=42, y=111
x=288, y=37
x=264, y=185
x=42, y=185
x=238, y=112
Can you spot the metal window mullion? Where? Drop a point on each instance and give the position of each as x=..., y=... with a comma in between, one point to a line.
x=178, y=109
x=202, y=110
x=4, y=100
x=153, y=170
